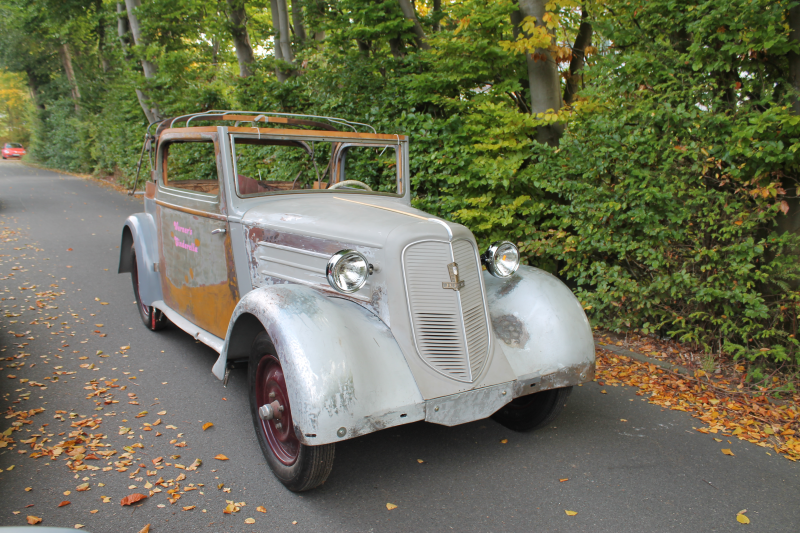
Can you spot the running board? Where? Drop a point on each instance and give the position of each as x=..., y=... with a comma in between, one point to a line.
x=210, y=340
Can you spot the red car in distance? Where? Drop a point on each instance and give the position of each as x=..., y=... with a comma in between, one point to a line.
x=13, y=150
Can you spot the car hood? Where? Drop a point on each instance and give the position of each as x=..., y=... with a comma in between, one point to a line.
x=353, y=218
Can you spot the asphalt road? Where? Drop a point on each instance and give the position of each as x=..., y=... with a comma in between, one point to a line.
x=629, y=465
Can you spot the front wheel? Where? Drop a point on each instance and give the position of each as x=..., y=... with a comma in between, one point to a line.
x=533, y=411
x=297, y=466
x=151, y=317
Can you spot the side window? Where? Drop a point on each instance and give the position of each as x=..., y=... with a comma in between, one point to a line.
x=191, y=166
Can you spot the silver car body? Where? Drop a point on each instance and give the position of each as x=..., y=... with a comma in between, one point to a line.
x=354, y=363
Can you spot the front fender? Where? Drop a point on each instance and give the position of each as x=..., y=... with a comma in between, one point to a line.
x=140, y=230
x=541, y=328
x=345, y=373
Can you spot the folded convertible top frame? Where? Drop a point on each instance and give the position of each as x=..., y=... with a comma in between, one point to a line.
x=293, y=119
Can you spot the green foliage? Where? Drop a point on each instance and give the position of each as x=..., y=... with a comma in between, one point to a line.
x=662, y=207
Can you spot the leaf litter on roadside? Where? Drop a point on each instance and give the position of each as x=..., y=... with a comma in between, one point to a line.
x=718, y=403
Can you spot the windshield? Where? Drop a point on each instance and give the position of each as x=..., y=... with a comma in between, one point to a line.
x=13, y=145
x=267, y=166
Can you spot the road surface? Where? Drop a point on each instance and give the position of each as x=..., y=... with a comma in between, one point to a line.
x=620, y=463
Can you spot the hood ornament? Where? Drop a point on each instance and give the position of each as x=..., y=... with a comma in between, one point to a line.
x=454, y=283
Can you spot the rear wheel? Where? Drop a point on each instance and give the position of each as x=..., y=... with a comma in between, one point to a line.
x=152, y=317
x=297, y=466
x=533, y=411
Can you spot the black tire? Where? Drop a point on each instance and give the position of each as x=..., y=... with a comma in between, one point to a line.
x=533, y=411
x=297, y=466
x=152, y=318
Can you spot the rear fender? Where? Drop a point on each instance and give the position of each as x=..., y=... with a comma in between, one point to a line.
x=140, y=230
x=542, y=330
x=345, y=373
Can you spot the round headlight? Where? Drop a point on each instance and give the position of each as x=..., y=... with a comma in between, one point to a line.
x=501, y=259
x=347, y=271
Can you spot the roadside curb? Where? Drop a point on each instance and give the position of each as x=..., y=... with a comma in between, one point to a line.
x=643, y=358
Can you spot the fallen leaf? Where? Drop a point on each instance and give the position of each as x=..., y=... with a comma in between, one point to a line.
x=207, y=425
x=94, y=511
x=65, y=502
x=570, y=513
x=33, y=520
x=742, y=519
x=391, y=506
x=727, y=451
x=249, y=520
x=157, y=460
x=145, y=529
x=189, y=507
x=563, y=480
x=67, y=493
x=622, y=420
x=132, y=498
x=161, y=413
x=28, y=489
x=504, y=441
x=220, y=457
x=78, y=526
x=261, y=509
x=420, y=461
x=82, y=487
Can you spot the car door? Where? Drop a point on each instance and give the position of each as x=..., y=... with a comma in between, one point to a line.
x=198, y=276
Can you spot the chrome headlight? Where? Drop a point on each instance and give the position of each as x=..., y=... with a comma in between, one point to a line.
x=347, y=271
x=501, y=259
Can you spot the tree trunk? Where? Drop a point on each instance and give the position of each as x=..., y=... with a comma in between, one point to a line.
x=794, y=59
x=149, y=68
x=543, y=78
x=241, y=39
x=101, y=36
x=66, y=60
x=276, y=27
x=437, y=11
x=582, y=40
x=408, y=12
x=285, y=35
x=33, y=87
x=149, y=109
x=297, y=19
x=122, y=26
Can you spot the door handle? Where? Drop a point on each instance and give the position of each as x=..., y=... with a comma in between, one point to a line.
x=218, y=231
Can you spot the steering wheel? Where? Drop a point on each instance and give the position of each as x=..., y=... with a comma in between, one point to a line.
x=350, y=182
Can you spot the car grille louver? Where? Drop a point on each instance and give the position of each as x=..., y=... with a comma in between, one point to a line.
x=450, y=327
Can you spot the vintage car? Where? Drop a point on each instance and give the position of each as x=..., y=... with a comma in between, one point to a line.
x=289, y=242
x=11, y=150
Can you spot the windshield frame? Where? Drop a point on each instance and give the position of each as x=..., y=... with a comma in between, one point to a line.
x=345, y=139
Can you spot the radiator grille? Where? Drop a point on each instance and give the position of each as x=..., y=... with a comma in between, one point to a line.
x=450, y=327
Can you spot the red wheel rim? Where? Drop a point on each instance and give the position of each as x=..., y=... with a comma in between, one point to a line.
x=270, y=387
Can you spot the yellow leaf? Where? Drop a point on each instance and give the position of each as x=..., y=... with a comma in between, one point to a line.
x=563, y=480
x=727, y=451
x=391, y=506
x=189, y=507
x=504, y=441
x=570, y=513
x=207, y=425
x=420, y=461
x=742, y=519
x=162, y=413
x=220, y=457
x=261, y=509
x=145, y=529
x=33, y=520
x=249, y=520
